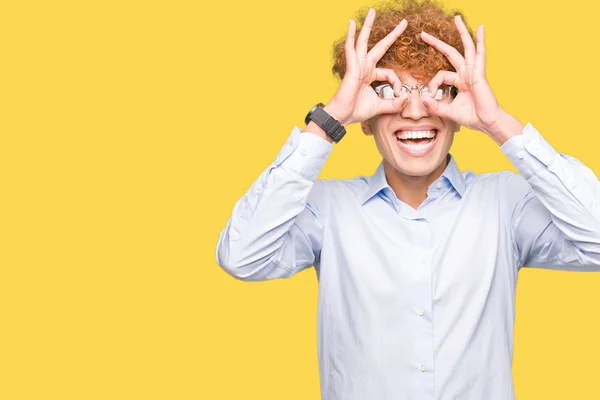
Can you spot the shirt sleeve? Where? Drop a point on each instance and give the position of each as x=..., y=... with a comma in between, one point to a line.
x=276, y=228
x=556, y=218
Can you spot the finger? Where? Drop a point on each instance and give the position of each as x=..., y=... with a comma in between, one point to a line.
x=349, y=46
x=365, y=31
x=437, y=108
x=392, y=106
x=384, y=44
x=442, y=77
x=480, y=57
x=466, y=40
x=455, y=58
x=386, y=74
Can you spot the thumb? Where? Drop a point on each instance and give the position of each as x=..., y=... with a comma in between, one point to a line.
x=437, y=108
x=393, y=106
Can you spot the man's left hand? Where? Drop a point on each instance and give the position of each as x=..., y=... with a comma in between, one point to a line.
x=475, y=106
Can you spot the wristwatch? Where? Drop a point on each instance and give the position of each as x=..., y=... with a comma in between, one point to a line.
x=330, y=125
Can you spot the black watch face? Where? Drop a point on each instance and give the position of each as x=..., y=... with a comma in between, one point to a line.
x=312, y=110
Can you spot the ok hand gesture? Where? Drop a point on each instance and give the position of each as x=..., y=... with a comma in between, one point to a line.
x=475, y=106
x=355, y=99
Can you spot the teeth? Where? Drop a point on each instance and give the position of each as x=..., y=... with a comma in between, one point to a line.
x=416, y=134
x=416, y=147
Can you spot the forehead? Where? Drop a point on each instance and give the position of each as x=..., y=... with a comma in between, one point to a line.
x=411, y=77
x=408, y=78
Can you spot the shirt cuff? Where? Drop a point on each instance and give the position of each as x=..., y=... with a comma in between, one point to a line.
x=529, y=152
x=304, y=153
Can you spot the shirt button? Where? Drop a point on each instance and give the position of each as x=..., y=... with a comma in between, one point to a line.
x=303, y=152
x=421, y=312
x=423, y=369
x=521, y=155
x=438, y=185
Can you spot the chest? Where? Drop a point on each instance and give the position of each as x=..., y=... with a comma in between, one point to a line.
x=456, y=248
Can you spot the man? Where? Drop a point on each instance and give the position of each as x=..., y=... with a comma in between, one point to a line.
x=417, y=264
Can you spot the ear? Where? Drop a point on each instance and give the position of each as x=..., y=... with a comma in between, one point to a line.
x=366, y=127
x=457, y=128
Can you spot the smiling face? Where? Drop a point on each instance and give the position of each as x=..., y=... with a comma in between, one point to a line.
x=413, y=143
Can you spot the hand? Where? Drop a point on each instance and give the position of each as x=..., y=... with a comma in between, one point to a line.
x=475, y=106
x=355, y=99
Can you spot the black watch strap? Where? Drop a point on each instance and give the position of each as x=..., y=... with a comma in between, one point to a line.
x=330, y=125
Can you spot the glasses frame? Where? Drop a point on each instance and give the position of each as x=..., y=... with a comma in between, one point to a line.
x=450, y=90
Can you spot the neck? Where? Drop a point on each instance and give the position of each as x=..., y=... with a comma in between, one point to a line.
x=412, y=189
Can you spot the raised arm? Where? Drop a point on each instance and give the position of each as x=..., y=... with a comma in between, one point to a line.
x=276, y=228
x=555, y=203
x=555, y=221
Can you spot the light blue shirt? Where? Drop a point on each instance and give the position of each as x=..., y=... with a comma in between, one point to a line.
x=415, y=304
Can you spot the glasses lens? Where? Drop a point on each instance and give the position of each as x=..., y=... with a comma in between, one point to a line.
x=385, y=91
x=441, y=94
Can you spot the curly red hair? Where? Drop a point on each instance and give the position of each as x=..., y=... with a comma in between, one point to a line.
x=409, y=53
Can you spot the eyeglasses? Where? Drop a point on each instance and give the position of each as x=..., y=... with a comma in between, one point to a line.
x=445, y=93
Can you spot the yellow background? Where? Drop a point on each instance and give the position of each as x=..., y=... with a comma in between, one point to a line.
x=130, y=128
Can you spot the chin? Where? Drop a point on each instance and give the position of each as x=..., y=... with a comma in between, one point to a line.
x=418, y=167
x=416, y=150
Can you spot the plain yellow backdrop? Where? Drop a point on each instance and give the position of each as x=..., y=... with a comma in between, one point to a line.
x=128, y=129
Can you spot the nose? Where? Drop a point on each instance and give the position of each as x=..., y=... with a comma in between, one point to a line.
x=414, y=108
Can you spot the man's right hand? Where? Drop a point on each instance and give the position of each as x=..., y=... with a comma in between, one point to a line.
x=355, y=99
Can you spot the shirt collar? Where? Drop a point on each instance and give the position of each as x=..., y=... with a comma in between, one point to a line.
x=454, y=176
x=378, y=182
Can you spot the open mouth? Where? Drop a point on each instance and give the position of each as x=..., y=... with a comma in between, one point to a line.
x=416, y=142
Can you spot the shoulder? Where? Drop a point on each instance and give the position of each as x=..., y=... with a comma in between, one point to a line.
x=335, y=193
x=506, y=186
x=503, y=179
x=354, y=186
